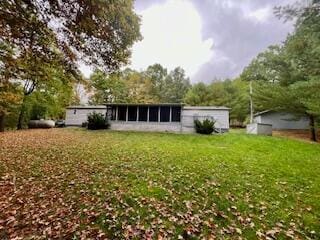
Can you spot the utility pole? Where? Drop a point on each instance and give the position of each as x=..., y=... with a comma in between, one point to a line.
x=251, y=103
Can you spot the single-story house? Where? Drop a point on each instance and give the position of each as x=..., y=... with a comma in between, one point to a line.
x=151, y=117
x=282, y=120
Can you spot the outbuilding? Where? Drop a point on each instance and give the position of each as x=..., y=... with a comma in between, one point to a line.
x=164, y=117
x=282, y=120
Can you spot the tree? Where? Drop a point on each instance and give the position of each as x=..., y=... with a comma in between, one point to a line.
x=290, y=76
x=99, y=33
x=60, y=34
x=230, y=93
x=198, y=95
x=108, y=88
x=10, y=97
x=168, y=88
x=10, y=93
x=154, y=85
x=139, y=87
x=158, y=74
x=176, y=86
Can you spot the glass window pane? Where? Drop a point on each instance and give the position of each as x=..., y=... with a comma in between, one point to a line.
x=143, y=114
x=111, y=112
x=176, y=114
x=153, y=114
x=164, y=114
x=132, y=113
x=122, y=112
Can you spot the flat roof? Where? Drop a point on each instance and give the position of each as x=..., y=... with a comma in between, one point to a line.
x=87, y=107
x=150, y=104
x=144, y=104
x=205, y=108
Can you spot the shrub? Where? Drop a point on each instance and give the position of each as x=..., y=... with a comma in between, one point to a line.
x=204, y=127
x=97, y=121
x=84, y=124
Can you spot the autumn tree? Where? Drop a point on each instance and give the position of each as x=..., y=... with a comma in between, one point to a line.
x=64, y=33
x=10, y=93
x=154, y=85
x=139, y=87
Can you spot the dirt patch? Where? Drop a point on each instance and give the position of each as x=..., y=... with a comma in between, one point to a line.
x=296, y=134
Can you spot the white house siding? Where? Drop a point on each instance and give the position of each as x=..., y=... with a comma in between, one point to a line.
x=189, y=114
x=75, y=116
x=283, y=121
x=146, y=126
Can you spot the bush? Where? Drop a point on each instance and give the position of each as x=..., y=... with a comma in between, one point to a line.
x=97, y=121
x=204, y=127
x=84, y=124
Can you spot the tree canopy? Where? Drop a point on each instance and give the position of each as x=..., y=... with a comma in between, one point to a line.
x=41, y=41
x=230, y=93
x=99, y=32
x=288, y=75
x=154, y=85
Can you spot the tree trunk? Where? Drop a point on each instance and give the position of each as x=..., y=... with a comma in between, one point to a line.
x=21, y=113
x=2, y=115
x=313, y=128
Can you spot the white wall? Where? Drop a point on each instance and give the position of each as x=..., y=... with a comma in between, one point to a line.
x=146, y=126
x=259, y=129
x=75, y=117
x=283, y=121
x=221, y=116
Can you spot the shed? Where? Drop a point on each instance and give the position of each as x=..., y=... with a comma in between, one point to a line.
x=282, y=120
x=165, y=117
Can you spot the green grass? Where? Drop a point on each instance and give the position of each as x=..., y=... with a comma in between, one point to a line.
x=125, y=184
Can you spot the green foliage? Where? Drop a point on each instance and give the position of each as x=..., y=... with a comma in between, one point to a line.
x=204, y=127
x=96, y=32
x=38, y=112
x=154, y=85
x=33, y=52
x=97, y=121
x=288, y=76
x=233, y=94
x=107, y=88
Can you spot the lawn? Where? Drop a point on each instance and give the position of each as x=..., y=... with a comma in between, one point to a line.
x=68, y=183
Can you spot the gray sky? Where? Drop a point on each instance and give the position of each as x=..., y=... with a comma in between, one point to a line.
x=208, y=38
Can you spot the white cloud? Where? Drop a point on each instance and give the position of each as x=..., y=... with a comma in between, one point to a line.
x=261, y=14
x=172, y=37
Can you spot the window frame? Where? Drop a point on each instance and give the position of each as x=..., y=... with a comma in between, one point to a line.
x=132, y=110
x=151, y=108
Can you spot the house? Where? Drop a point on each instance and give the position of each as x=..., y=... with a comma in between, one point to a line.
x=151, y=117
x=282, y=120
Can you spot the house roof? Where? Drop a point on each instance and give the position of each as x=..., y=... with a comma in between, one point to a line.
x=206, y=108
x=262, y=112
x=87, y=107
x=151, y=104
x=144, y=104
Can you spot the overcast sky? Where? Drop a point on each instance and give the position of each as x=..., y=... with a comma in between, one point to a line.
x=208, y=38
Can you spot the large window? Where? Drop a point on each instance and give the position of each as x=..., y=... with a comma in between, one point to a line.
x=111, y=112
x=122, y=113
x=143, y=114
x=164, y=114
x=153, y=114
x=176, y=114
x=132, y=113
